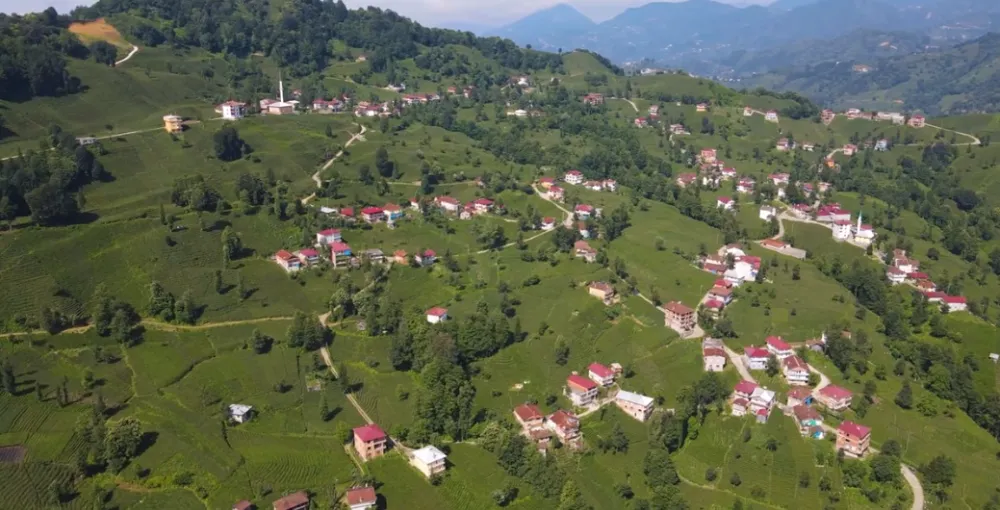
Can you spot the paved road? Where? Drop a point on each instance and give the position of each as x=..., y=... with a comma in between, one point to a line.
x=737, y=362
x=135, y=49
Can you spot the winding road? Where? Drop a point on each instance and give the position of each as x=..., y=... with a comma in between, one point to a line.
x=316, y=176
x=135, y=49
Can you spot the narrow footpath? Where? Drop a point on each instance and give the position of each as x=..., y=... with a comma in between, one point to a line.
x=135, y=49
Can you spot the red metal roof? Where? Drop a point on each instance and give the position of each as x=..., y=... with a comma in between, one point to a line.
x=713, y=351
x=371, y=210
x=339, y=247
x=954, y=299
x=756, y=352
x=369, y=433
x=290, y=501
x=714, y=304
x=528, y=412
x=600, y=370
x=582, y=382
x=361, y=495
x=778, y=343
x=565, y=420
x=745, y=387
x=329, y=232
x=795, y=363
x=835, y=392
x=283, y=255
x=854, y=430
x=437, y=311
x=678, y=308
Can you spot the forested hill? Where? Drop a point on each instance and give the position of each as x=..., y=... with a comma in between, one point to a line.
x=297, y=33
x=32, y=51
x=955, y=80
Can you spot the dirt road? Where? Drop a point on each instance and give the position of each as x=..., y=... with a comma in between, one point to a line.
x=135, y=49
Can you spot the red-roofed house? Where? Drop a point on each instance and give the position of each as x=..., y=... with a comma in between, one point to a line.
x=678, y=317
x=955, y=303
x=714, y=307
x=725, y=203
x=745, y=389
x=740, y=406
x=774, y=244
x=850, y=149
x=895, y=276
x=747, y=111
x=779, y=347
x=935, y=296
x=601, y=374
x=583, y=250
x=347, y=212
x=796, y=370
x=593, y=99
x=447, y=203
x=583, y=211
x=482, y=205
x=853, y=439
x=556, y=193
x=361, y=498
x=566, y=426
x=294, y=501
x=548, y=223
x=340, y=253
x=602, y=290
x=841, y=230
x=835, y=398
x=574, y=177
x=827, y=116
x=756, y=357
x=724, y=294
x=917, y=121
x=370, y=441
x=529, y=416
x=325, y=237
x=392, y=212
x=581, y=227
x=232, y=110
x=308, y=256
x=708, y=155
x=809, y=420
x=546, y=182
x=641, y=122
x=400, y=257
x=686, y=179
x=701, y=107
x=372, y=214
x=610, y=184
x=580, y=390
x=437, y=314
x=771, y=116
x=287, y=261
x=714, y=359
x=426, y=258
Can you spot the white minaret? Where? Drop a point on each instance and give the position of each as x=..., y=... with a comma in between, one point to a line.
x=281, y=88
x=859, y=222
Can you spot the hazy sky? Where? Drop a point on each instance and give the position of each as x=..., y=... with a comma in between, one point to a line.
x=429, y=12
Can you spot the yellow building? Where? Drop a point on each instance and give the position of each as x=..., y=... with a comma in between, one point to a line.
x=173, y=123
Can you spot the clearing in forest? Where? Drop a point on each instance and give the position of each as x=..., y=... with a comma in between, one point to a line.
x=98, y=30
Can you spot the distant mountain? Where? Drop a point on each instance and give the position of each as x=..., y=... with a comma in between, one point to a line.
x=548, y=29
x=955, y=80
x=862, y=45
x=698, y=34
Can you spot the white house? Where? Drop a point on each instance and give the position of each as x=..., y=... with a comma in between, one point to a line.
x=714, y=359
x=437, y=314
x=779, y=347
x=574, y=177
x=767, y=212
x=601, y=374
x=635, y=405
x=361, y=498
x=841, y=230
x=240, y=413
x=233, y=110
x=429, y=460
x=863, y=234
x=325, y=237
x=756, y=357
x=724, y=203
x=796, y=370
x=895, y=275
x=771, y=116
x=955, y=303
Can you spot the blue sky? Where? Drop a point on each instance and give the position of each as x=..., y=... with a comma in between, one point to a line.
x=430, y=12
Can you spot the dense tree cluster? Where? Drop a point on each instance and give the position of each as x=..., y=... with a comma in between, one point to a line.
x=45, y=184
x=32, y=56
x=299, y=37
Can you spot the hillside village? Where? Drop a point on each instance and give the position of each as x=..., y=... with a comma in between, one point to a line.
x=502, y=291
